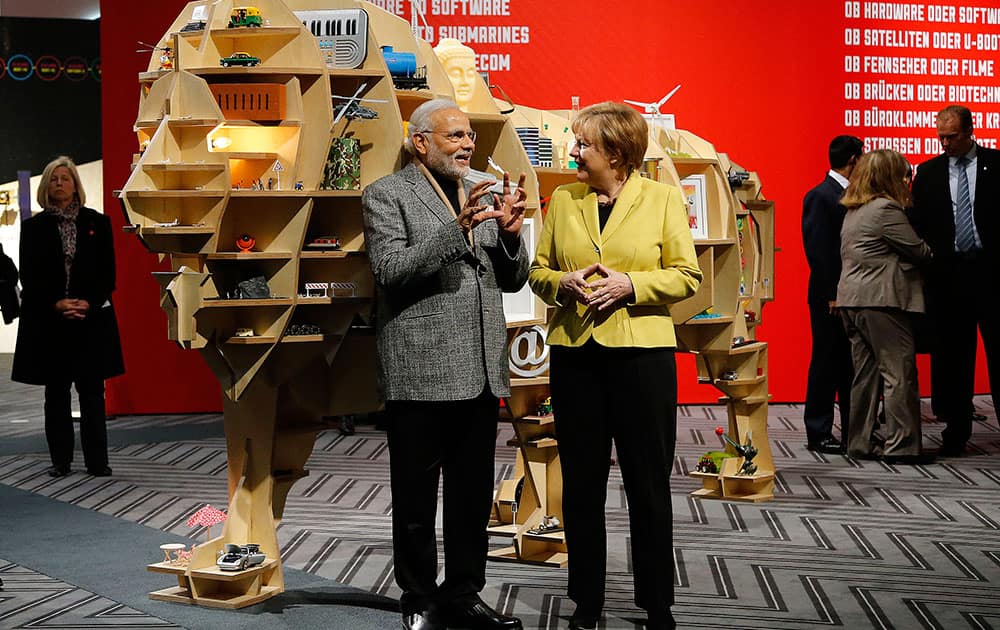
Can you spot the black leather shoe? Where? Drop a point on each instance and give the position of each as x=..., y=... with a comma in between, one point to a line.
x=99, y=472
x=864, y=456
x=949, y=449
x=479, y=616
x=421, y=621
x=912, y=460
x=584, y=619
x=58, y=471
x=828, y=445
x=661, y=621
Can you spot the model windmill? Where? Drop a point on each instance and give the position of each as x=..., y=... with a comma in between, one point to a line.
x=653, y=113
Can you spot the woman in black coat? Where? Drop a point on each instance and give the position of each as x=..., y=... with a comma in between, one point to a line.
x=68, y=333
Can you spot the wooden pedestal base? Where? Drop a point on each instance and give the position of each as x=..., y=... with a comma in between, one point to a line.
x=215, y=588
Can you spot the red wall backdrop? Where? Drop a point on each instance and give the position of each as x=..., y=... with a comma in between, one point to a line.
x=767, y=81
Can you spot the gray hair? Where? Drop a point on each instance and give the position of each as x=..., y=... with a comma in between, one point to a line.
x=420, y=119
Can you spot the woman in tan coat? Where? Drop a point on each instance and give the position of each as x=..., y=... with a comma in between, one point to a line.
x=879, y=292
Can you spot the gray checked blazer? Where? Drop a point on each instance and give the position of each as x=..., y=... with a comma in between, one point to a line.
x=440, y=325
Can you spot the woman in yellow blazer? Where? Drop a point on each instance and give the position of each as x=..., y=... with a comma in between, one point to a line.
x=615, y=250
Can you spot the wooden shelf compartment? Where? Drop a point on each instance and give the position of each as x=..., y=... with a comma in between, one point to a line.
x=279, y=72
x=321, y=301
x=339, y=217
x=544, y=558
x=351, y=73
x=177, y=230
x=286, y=32
x=681, y=162
x=350, y=269
x=704, y=321
x=215, y=573
x=193, y=122
x=251, y=341
x=228, y=601
x=149, y=212
x=713, y=242
x=536, y=420
x=175, y=193
x=330, y=254
x=505, y=530
x=324, y=338
x=183, y=167
x=754, y=380
x=276, y=222
x=266, y=255
x=281, y=301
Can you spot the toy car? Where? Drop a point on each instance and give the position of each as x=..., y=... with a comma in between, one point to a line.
x=324, y=242
x=239, y=59
x=238, y=558
x=245, y=16
x=545, y=407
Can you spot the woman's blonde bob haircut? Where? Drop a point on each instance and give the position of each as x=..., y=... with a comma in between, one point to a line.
x=878, y=174
x=617, y=131
x=43, y=184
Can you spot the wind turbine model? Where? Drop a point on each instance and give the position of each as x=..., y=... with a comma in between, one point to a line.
x=352, y=105
x=653, y=109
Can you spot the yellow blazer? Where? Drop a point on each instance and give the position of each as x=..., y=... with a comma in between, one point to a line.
x=646, y=236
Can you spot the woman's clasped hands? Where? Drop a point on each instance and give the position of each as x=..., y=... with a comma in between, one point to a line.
x=608, y=290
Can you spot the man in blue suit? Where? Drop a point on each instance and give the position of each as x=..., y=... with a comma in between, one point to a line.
x=830, y=369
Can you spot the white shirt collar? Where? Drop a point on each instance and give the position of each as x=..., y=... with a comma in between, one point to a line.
x=970, y=156
x=840, y=178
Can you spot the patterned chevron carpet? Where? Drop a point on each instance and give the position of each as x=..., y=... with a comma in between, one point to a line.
x=845, y=543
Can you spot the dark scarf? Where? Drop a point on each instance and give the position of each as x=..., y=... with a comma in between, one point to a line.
x=67, y=233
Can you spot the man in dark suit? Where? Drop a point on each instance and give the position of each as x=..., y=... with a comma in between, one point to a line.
x=441, y=254
x=956, y=199
x=830, y=368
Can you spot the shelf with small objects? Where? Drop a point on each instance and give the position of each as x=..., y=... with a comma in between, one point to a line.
x=230, y=183
x=719, y=322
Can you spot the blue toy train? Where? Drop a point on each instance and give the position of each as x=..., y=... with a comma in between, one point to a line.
x=403, y=68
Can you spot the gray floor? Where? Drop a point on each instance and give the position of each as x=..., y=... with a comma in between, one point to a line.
x=844, y=544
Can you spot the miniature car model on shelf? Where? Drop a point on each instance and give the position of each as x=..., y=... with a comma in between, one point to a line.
x=238, y=558
x=239, y=59
x=245, y=16
x=324, y=242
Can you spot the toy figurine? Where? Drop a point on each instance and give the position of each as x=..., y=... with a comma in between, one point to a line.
x=245, y=243
x=747, y=451
x=298, y=185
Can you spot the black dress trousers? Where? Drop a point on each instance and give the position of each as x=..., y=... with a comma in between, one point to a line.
x=456, y=439
x=93, y=423
x=628, y=395
x=831, y=373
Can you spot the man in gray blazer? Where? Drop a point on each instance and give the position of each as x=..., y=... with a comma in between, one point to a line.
x=442, y=254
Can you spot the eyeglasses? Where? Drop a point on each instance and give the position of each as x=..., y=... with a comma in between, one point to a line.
x=454, y=137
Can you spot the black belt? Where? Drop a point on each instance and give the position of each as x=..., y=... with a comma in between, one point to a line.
x=972, y=255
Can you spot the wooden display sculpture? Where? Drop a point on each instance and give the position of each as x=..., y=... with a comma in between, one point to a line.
x=227, y=187
x=735, y=247
x=237, y=135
